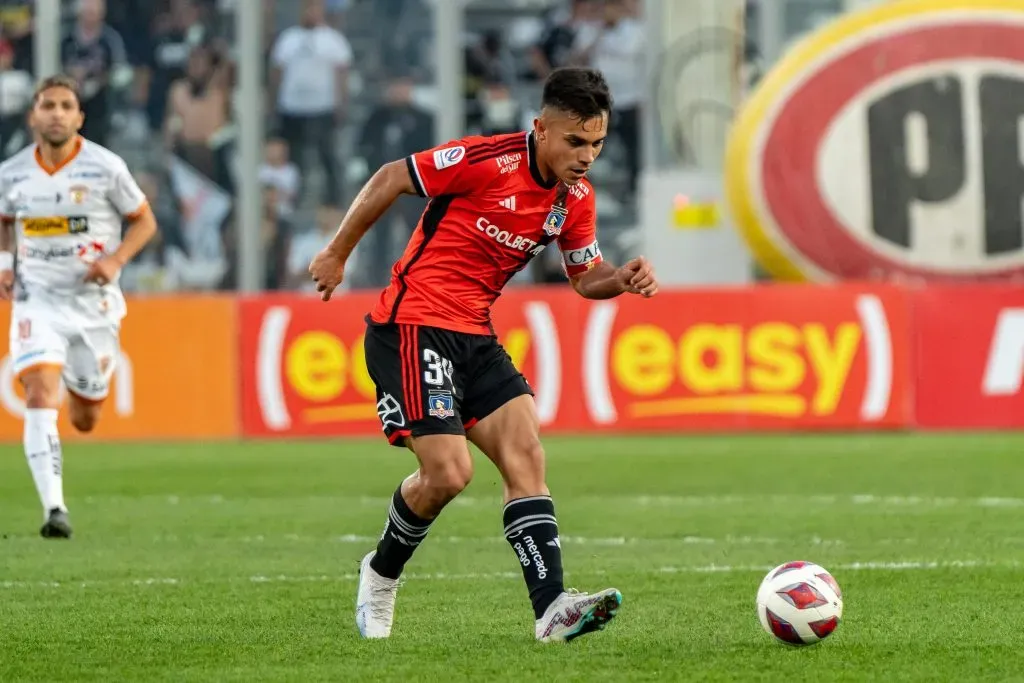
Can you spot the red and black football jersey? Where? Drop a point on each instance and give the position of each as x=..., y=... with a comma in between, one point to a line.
x=490, y=213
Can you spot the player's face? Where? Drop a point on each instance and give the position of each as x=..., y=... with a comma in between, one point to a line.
x=56, y=116
x=568, y=146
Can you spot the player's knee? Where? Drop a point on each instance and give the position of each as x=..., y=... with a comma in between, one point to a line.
x=40, y=391
x=449, y=478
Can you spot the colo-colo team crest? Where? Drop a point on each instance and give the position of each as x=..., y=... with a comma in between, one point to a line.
x=889, y=144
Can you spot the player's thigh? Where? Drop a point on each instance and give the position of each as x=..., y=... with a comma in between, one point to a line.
x=418, y=393
x=503, y=417
x=38, y=350
x=91, y=361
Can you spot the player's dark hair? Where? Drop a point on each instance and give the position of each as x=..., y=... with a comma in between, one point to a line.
x=583, y=93
x=57, y=81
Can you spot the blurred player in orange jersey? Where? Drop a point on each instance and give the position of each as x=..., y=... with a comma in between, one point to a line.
x=63, y=200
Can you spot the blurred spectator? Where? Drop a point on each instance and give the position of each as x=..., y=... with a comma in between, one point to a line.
x=196, y=128
x=306, y=244
x=490, y=73
x=310, y=71
x=489, y=62
x=16, y=90
x=562, y=29
x=17, y=22
x=280, y=173
x=618, y=50
x=92, y=54
x=335, y=11
x=175, y=34
x=399, y=124
x=150, y=271
x=275, y=235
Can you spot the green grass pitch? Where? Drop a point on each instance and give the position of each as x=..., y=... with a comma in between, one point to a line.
x=236, y=562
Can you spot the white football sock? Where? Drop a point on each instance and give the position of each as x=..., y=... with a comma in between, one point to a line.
x=42, y=449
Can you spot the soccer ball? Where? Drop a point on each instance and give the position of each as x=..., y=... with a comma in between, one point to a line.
x=799, y=603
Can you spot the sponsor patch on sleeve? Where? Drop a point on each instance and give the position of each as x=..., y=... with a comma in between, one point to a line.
x=449, y=156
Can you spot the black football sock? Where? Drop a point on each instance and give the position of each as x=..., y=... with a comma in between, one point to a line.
x=404, y=531
x=532, y=531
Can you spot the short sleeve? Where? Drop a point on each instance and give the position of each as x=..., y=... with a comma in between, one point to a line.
x=448, y=169
x=125, y=194
x=578, y=244
x=341, y=50
x=281, y=52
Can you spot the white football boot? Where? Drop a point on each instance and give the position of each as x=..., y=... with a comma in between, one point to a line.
x=574, y=614
x=375, y=602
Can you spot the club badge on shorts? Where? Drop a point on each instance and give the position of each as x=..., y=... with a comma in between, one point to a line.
x=440, y=404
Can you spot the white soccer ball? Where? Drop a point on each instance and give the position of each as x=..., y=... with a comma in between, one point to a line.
x=799, y=603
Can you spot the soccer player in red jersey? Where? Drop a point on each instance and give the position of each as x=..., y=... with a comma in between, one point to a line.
x=442, y=377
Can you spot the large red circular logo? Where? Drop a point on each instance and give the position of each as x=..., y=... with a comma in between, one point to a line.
x=889, y=145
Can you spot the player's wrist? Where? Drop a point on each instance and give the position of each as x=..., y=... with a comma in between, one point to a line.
x=339, y=250
x=6, y=260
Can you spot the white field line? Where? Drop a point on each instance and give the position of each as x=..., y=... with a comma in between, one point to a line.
x=895, y=565
x=359, y=539
x=863, y=499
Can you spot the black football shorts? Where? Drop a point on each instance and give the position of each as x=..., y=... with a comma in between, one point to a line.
x=435, y=381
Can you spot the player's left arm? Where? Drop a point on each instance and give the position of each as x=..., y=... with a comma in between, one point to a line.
x=141, y=229
x=591, y=276
x=130, y=202
x=605, y=281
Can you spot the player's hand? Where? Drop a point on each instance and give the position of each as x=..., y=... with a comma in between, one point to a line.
x=637, y=277
x=103, y=270
x=6, y=285
x=328, y=270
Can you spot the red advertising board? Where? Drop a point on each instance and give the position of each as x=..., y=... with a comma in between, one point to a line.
x=304, y=372
x=969, y=356
x=782, y=357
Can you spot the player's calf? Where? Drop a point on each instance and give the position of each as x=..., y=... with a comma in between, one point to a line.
x=522, y=466
x=510, y=436
x=84, y=412
x=40, y=437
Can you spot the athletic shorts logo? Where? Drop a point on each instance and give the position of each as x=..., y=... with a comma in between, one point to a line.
x=440, y=404
x=389, y=410
x=449, y=156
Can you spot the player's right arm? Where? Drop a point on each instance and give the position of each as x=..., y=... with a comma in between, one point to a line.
x=6, y=258
x=429, y=173
x=6, y=246
x=378, y=194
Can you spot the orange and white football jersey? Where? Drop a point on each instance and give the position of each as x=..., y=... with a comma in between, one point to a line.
x=66, y=217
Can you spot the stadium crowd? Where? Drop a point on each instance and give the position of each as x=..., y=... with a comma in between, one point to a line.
x=349, y=86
